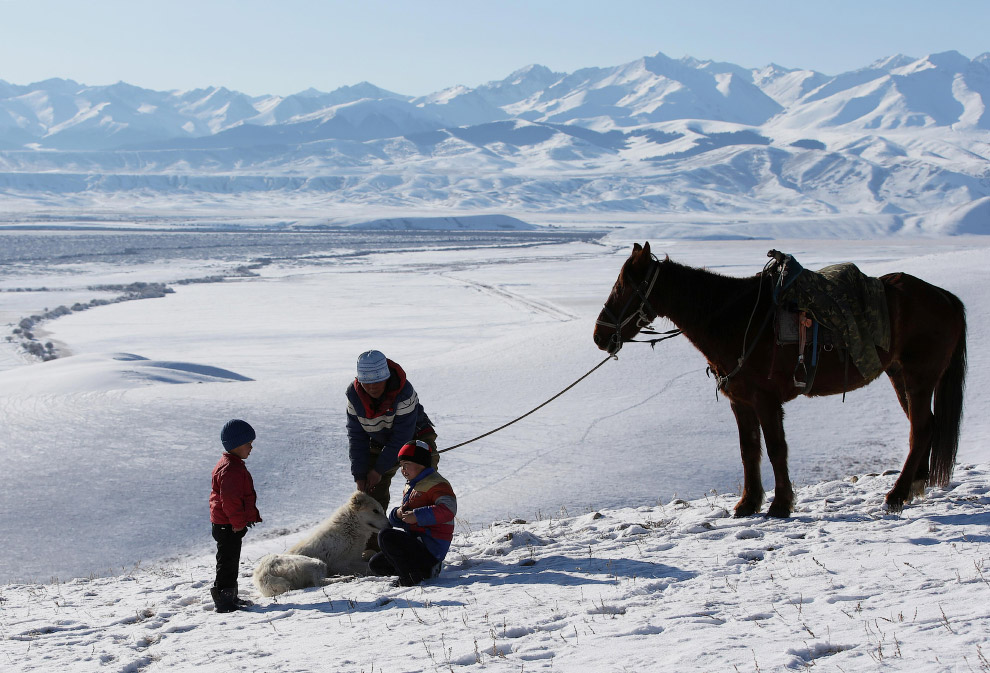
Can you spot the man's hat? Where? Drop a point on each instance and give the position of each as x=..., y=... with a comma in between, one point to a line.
x=372, y=367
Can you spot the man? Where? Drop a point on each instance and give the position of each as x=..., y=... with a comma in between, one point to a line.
x=423, y=526
x=383, y=414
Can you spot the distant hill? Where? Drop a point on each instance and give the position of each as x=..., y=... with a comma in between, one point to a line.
x=901, y=138
x=464, y=223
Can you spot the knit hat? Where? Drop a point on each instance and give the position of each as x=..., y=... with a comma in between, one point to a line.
x=417, y=452
x=372, y=367
x=235, y=433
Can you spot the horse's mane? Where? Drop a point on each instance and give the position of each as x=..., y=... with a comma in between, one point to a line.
x=708, y=296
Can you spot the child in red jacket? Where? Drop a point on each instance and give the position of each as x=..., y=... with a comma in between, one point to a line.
x=232, y=510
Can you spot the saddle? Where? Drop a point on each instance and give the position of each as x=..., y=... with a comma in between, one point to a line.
x=836, y=307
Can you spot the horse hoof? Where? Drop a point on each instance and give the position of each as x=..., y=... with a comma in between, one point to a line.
x=893, y=504
x=781, y=512
x=743, y=510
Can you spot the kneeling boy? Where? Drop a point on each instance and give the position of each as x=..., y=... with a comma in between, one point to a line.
x=423, y=525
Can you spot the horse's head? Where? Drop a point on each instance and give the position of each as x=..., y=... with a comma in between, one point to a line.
x=627, y=309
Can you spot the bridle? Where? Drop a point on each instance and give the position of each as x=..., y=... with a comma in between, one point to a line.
x=642, y=312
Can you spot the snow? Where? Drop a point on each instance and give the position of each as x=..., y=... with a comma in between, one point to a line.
x=898, y=140
x=594, y=535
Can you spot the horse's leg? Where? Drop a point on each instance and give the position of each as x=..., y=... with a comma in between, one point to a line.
x=750, y=450
x=918, y=391
x=896, y=374
x=771, y=415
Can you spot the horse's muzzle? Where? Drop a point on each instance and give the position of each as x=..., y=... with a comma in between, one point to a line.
x=610, y=344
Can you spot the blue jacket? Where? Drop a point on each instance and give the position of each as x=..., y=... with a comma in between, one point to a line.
x=390, y=421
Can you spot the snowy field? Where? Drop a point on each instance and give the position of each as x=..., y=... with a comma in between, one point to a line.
x=106, y=452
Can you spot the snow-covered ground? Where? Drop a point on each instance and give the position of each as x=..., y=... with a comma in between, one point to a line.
x=105, y=456
x=679, y=586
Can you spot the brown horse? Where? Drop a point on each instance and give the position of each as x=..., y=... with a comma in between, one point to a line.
x=719, y=314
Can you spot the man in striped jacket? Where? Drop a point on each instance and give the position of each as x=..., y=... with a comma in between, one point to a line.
x=422, y=526
x=383, y=414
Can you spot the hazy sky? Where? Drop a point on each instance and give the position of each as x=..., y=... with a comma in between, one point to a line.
x=419, y=46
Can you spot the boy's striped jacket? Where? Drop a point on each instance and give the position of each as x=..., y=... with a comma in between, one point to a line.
x=432, y=499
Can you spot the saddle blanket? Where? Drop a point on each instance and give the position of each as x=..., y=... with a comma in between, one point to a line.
x=851, y=304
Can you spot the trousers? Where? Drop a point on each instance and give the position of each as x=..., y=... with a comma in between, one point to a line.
x=404, y=555
x=228, y=555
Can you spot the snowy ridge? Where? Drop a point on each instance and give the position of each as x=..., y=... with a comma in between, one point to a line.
x=903, y=137
x=105, y=372
x=465, y=223
x=840, y=585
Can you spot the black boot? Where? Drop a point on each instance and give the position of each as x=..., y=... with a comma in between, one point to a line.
x=241, y=603
x=225, y=600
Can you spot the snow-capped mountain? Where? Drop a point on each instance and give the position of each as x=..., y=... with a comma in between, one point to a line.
x=898, y=139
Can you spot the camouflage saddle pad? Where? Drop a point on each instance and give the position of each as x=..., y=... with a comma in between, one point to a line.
x=844, y=300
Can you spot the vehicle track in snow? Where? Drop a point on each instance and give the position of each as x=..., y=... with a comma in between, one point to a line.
x=529, y=304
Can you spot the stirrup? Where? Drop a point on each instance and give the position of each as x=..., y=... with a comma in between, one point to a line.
x=799, y=383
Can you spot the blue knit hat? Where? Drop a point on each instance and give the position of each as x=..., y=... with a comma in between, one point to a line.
x=372, y=367
x=235, y=433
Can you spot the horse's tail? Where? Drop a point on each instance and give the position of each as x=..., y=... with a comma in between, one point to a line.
x=949, y=408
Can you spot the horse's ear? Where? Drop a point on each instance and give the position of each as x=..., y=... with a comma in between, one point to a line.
x=646, y=248
x=637, y=247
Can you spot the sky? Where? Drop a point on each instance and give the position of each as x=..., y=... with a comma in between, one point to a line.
x=416, y=48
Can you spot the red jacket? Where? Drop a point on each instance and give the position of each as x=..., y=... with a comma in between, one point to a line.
x=233, y=499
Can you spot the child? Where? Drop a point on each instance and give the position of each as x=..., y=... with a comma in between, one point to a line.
x=415, y=549
x=232, y=510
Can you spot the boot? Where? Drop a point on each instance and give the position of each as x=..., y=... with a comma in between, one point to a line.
x=225, y=600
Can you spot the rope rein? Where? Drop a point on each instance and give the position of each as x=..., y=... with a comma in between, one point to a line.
x=644, y=320
x=501, y=427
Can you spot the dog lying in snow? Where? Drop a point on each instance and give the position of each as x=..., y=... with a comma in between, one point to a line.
x=277, y=573
x=333, y=548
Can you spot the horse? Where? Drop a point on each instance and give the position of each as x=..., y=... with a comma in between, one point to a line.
x=927, y=358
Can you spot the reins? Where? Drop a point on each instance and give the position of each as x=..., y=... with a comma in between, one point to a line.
x=643, y=321
x=501, y=427
x=642, y=314
x=722, y=381
x=663, y=336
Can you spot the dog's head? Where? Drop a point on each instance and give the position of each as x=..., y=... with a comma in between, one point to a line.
x=369, y=511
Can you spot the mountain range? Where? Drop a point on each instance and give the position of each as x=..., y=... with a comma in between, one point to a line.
x=905, y=140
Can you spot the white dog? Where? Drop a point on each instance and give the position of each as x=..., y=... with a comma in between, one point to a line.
x=278, y=573
x=334, y=548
